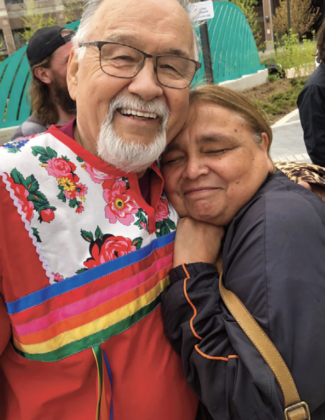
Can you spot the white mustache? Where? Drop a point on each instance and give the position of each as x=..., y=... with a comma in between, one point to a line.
x=154, y=106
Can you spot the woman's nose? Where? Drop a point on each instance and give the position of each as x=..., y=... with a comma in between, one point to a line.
x=195, y=168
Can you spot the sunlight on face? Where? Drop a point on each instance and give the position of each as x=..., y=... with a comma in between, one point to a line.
x=214, y=166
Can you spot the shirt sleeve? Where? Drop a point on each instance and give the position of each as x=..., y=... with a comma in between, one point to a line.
x=311, y=104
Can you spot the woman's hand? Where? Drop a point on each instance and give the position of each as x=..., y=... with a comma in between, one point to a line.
x=197, y=242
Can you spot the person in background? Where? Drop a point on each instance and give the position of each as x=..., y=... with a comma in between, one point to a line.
x=219, y=175
x=48, y=54
x=311, y=104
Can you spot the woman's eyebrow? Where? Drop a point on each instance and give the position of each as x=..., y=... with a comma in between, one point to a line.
x=216, y=138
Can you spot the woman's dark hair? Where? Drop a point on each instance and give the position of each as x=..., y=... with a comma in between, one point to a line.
x=320, y=38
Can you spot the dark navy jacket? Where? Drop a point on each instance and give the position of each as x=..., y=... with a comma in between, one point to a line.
x=311, y=104
x=274, y=260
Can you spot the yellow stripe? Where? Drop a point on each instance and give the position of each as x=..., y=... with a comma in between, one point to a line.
x=94, y=326
x=98, y=383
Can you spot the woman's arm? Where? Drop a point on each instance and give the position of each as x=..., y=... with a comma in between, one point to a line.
x=200, y=329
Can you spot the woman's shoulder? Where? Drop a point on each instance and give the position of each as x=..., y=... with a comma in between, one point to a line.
x=280, y=205
x=284, y=197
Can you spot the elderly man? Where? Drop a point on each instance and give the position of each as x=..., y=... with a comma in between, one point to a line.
x=48, y=53
x=86, y=235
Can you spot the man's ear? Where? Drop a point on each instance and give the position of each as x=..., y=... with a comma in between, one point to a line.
x=72, y=74
x=43, y=74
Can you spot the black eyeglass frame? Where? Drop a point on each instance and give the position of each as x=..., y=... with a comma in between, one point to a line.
x=100, y=44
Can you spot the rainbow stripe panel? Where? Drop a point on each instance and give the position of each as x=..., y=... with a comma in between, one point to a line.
x=87, y=309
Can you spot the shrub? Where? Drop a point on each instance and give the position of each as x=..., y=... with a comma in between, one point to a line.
x=289, y=53
x=272, y=78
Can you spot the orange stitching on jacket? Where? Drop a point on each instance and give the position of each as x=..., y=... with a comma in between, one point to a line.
x=193, y=307
x=225, y=359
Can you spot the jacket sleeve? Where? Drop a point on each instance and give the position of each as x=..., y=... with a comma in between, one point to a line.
x=203, y=332
x=311, y=104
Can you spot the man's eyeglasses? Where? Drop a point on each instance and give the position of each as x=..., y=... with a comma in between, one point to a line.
x=120, y=60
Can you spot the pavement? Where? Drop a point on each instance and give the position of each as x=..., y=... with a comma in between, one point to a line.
x=288, y=142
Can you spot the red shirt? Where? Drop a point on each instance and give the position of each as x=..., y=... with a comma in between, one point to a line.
x=147, y=374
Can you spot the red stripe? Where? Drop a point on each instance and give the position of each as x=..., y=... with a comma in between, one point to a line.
x=56, y=302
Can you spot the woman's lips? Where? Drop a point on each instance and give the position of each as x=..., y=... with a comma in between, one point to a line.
x=201, y=190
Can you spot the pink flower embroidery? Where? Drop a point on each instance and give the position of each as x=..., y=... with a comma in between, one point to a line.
x=21, y=193
x=59, y=168
x=112, y=247
x=98, y=176
x=162, y=210
x=120, y=206
x=57, y=277
x=143, y=225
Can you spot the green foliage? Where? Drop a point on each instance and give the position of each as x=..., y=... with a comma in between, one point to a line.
x=290, y=53
x=281, y=102
x=33, y=20
x=302, y=13
x=73, y=10
x=248, y=8
x=272, y=78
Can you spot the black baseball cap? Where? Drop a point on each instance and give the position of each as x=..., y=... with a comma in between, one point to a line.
x=44, y=42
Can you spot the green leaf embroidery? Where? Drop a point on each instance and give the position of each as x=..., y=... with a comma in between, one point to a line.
x=73, y=203
x=81, y=270
x=65, y=158
x=36, y=234
x=98, y=233
x=51, y=153
x=87, y=236
x=79, y=159
x=170, y=224
x=61, y=196
x=137, y=242
x=38, y=198
x=32, y=184
x=165, y=230
x=38, y=150
x=17, y=177
x=159, y=225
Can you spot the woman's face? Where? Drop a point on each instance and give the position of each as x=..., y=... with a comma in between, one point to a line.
x=214, y=166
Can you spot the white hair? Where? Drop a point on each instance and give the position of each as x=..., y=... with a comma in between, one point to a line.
x=90, y=9
x=126, y=154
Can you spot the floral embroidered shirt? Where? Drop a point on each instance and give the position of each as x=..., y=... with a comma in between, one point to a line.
x=83, y=262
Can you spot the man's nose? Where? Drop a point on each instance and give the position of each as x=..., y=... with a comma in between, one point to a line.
x=195, y=168
x=145, y=84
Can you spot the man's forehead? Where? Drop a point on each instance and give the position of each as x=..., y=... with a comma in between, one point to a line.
x=138, y=42
x=137, y=23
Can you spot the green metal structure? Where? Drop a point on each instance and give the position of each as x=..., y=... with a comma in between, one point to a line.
x=233, y=50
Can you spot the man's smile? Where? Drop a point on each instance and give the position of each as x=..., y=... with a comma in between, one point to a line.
x=137, y=115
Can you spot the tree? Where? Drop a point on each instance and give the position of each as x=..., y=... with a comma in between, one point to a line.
x=73, y=9
x=33, y=20
x=302, y=17
x=248, y=8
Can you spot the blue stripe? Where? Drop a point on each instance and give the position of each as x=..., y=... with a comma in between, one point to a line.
x=88, y=276
x=111, y=382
